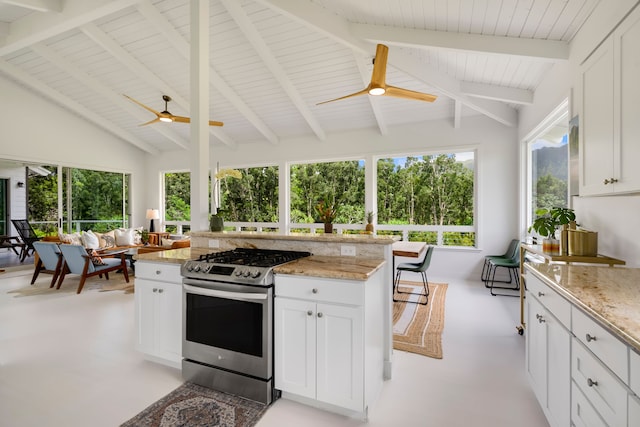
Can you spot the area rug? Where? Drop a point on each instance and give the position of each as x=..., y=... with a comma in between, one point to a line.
x=418, y=328
x=70, y=284
x=191, y=405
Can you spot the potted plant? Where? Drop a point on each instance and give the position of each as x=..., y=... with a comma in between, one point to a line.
x=547, y=223
x=327, y=213
x=369, y=227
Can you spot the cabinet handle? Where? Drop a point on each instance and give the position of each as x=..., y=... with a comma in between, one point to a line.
x=160, y=290
x=610, y=181
x=540, y=294
x=319, y=314
x=540, y=318
x=314, y=290
x=591, y=383
x=158, y=272
x=309, y=313
x=590, y=338
x=155, y=289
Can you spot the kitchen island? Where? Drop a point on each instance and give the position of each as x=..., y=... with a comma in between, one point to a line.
x=583, y=343
x=335, y=307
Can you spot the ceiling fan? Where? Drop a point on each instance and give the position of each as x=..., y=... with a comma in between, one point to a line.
x=166, y=116
x=378, y=87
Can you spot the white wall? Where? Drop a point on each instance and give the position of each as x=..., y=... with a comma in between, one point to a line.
x=614, y=217
x=36, y=130
x=497, y=173
x=17, y=195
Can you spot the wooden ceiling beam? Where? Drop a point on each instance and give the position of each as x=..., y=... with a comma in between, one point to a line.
x=536, y=49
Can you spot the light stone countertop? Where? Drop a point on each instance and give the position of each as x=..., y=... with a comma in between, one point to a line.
x=611, y=295
x=350, y=268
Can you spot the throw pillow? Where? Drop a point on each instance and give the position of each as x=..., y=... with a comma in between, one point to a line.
x=125, y=237
x=72, y=239
x=90, y=240
x=108, y=239
x=95, y=258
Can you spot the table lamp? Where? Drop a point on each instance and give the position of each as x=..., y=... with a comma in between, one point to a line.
x=151, y=215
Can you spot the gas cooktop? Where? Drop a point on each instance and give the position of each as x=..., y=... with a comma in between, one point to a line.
x=240, y=265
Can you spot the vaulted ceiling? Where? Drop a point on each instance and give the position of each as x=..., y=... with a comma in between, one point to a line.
x=273, y=61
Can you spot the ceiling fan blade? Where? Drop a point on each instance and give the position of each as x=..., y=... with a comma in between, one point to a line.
x=379, y=66
x=215, y=123
x=142, y=105
x=157, y=119
x=362, y=92
x=181, y=119
x=399, y=92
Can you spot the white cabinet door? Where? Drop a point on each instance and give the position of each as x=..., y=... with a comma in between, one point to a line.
x=597, y=121
x=634, y=411
x=536, y=348
x=627, y=52
x=295, y=346
x=145, y=315
x=558, y=373
x=340, y=356
x=548, y=356
x=169, y=322
x=159, y=320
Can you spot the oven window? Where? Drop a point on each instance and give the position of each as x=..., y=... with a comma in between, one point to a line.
x=225, y=323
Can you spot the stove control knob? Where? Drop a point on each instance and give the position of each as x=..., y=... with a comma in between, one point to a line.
x=247, y=273
x=238, y=273
x=189, y=267
x=255, y=274
x=196, y=268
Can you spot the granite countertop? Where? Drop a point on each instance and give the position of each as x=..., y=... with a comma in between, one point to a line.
x=350, y=268
x=305, y=237
x=611, y=295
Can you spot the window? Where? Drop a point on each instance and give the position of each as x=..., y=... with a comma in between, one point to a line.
x=429, y=197
x=251, y=198
x=177, y=201
x=340, y=183
x=548, y=171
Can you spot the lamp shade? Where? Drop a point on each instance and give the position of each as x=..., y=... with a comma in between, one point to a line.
x=153, y=214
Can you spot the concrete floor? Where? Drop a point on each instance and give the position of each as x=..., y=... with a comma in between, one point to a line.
x=69, y=360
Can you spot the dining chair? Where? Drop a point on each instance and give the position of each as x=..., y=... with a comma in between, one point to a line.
x=77, y=261
x=513, y=267
x=49, y=261
x=511, y=251
x=414, y=267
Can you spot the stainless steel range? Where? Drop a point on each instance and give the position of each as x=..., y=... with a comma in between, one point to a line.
x=228, y=320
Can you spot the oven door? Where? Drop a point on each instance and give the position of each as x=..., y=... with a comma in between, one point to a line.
x=228, y=326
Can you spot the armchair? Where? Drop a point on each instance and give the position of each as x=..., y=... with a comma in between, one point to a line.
x=49, y=261
x=77, y=261
x=27, y=234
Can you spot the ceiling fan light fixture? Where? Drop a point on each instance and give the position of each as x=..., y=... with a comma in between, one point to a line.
x=165, y=116
x=377, y=91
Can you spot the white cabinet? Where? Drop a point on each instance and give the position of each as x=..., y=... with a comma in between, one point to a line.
x=322, y=328
x=608, y=122
x=158, y=299
x=548, y=345
x=634, y=411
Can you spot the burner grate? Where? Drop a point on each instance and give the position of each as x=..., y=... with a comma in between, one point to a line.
x=253, y=257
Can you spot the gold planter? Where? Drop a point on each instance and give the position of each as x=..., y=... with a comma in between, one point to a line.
x=583, y=243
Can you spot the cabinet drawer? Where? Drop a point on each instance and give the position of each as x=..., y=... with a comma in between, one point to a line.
x=582, y=413
x=162, y=272
x=320, y=289
x=610, y=350
x=634, y=371
x=557, y=305
x=606, y=393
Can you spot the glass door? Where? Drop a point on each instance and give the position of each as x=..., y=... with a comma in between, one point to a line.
x=4, y=204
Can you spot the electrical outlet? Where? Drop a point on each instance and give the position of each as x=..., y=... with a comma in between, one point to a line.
x=346, y=250
x=214, y=243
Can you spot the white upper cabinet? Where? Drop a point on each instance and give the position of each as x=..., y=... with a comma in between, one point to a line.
x=609, y=125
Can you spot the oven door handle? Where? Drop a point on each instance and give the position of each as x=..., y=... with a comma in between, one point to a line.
x=224, y=294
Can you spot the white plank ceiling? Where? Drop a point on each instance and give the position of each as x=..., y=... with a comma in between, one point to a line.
x=272, y=61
